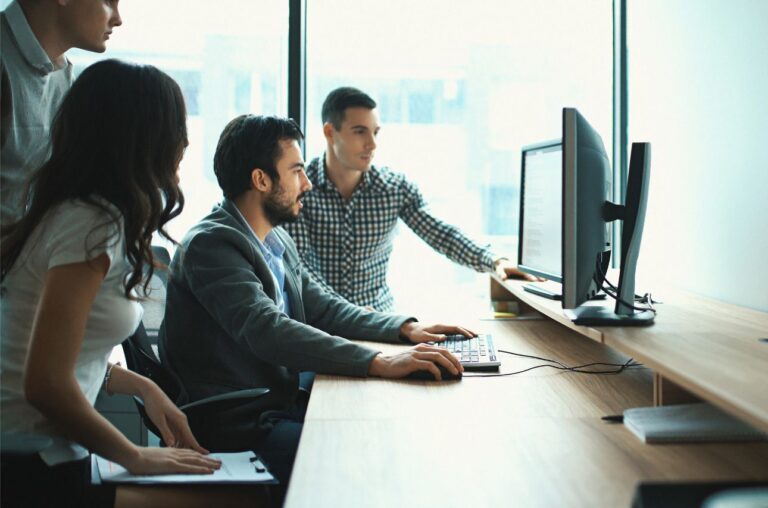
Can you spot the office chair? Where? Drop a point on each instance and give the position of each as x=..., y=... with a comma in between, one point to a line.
x=224, y=423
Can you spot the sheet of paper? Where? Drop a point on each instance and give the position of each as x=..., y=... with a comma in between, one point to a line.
x=243, y=467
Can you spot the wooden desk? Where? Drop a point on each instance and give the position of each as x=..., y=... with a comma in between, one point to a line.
x=534, y=439
x=696, y=345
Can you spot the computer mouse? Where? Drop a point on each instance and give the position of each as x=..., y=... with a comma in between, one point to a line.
x=425, y=375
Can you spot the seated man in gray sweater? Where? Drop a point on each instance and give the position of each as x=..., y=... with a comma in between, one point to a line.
x=242, y=312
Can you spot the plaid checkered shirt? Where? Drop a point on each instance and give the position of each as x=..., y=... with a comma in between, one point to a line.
x=346, y=245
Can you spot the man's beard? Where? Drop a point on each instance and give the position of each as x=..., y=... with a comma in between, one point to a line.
x=278, y=212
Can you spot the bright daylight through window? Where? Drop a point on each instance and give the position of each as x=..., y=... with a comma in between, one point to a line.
x=461, y=88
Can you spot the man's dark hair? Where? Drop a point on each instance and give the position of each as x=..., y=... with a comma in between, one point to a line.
x=337, y=102
x=249, y=142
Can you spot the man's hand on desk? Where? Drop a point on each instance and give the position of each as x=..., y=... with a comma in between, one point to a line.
x=421, y=357
x=418, y=333
x=506, y=268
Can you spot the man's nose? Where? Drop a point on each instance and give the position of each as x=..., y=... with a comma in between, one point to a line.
x=116, y=20
x=307, y=185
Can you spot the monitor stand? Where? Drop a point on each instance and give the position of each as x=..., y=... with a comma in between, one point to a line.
x=633, y=215
x=589, y=315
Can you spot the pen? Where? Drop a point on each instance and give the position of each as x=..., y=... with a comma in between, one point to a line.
x=613, y=418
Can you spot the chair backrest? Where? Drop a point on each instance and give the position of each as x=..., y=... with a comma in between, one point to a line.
x=141, y=358
x=154, y=306
x=139, y=348
x=163, y=257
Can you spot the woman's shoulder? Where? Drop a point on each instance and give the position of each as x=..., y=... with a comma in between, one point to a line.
x=93, y=221
x=84, y=213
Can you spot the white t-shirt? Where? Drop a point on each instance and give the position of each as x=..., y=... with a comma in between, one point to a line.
x=66, y=235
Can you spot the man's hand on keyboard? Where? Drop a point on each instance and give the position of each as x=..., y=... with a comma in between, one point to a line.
x=421, y=357
x=417, y=332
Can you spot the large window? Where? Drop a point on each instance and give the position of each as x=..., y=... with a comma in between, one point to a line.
x=461, y=87
x=697, y=81
x=229, y=58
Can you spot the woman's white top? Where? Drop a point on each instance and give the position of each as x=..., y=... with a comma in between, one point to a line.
x=70, y=233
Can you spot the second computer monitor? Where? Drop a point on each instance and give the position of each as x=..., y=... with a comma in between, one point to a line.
x=587, y=186
x=540, y=238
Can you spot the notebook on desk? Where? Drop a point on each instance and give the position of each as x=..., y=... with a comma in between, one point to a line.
x=699, y=422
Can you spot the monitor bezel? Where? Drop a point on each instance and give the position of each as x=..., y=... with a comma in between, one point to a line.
x=584, y=200
x=569, y=224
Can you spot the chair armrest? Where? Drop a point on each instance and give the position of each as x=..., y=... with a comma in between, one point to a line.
x=252, y=402
x=228, y=399
x=148, y=423
x=225, y=422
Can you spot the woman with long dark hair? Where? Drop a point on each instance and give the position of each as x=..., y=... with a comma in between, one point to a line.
x=73, y=269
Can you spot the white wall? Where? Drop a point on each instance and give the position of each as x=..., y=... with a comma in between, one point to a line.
x=698, y=77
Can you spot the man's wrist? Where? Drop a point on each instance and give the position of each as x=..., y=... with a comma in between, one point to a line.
x=498, y=260
x=407, y=327
x=374, y=368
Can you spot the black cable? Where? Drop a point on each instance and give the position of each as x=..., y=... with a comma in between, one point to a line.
x=574, y=367
x=645, y=300
x=605, y=278
x=578, y=369
x=614, y=292
x=533, y=357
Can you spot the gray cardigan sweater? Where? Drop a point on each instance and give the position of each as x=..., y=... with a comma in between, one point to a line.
x=223, y=330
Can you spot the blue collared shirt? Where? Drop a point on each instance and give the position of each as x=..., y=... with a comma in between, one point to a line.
x=272, y=249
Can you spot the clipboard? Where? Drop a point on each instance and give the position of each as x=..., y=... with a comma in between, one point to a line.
x=236, y=468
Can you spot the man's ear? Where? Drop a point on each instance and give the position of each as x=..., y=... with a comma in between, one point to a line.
x=328, y=129
x=260, y=180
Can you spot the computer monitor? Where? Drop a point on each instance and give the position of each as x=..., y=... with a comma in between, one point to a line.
x=539, y=237
x=586, y=224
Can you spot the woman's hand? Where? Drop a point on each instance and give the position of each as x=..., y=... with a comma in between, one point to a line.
x=169, y=461
x=170, y=421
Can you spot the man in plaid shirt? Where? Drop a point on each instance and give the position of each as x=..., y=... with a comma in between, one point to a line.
x=344, y=232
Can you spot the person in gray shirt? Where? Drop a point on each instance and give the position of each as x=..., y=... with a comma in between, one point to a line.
x=35, y=75
x=242, y=312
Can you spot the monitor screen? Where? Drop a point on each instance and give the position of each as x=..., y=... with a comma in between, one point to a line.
x=540, y=237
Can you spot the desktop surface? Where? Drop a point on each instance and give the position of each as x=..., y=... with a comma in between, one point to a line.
x=535, y=439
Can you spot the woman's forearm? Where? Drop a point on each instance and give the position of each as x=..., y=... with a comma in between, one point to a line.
x=124, y=381
x=62, y=402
